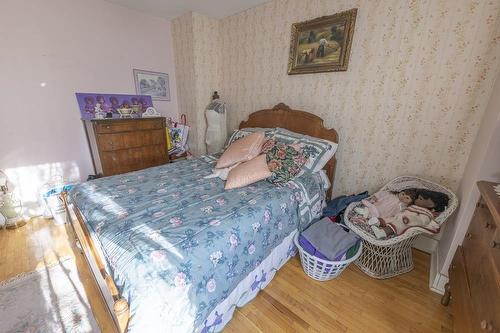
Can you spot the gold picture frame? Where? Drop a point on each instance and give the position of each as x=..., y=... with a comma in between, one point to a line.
x=322, y=44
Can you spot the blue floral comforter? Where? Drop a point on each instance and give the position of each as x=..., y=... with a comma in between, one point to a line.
x=177, y=244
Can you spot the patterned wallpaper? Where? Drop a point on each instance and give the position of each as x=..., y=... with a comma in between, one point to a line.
x=197, y=60
x=419, y=77
x=182, y=32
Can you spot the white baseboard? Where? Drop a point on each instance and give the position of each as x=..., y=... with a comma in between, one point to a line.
x=426, y=243
x=436, y=279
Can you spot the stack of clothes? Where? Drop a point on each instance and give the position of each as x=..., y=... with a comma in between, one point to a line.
x=328, y=240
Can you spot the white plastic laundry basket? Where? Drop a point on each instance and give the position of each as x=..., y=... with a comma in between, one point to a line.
x=323, y=270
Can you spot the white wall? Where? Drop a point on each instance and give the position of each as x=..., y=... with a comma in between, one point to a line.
x=483, y=164
x=71, y=46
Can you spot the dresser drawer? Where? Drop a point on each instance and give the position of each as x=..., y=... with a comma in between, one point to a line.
x=126, y=160
x=475, y=243
x=481, y=262
x=113, y=126
x=484, y=287
x=463, y=314
x=117, y=141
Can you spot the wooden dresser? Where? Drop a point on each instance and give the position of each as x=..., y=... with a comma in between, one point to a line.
x=474, y=286
x=124, y=145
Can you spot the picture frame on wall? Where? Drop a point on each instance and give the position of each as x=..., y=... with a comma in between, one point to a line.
x=154, y=84
x=322, y=44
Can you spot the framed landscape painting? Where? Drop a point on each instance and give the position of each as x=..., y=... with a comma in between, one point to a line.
x=322, y=44
x=154, y=84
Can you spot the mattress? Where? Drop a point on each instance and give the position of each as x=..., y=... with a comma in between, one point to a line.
x=181, y=249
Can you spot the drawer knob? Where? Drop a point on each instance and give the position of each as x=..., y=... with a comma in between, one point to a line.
x=110, y=143
x=486, y=326
x=469, y=235
x=488, y=223
x=495, y=244
x=108, y=127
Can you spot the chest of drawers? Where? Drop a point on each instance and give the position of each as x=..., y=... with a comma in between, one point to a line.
x=124, y=145
x=474, y=273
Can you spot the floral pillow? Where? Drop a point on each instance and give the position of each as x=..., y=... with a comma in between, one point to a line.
x=284, y=161
x=317, y=151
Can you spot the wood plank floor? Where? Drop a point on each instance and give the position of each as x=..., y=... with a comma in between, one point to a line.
x=291, y=303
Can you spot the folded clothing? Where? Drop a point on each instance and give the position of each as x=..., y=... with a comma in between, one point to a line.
x=327, y=240
x=309, y=248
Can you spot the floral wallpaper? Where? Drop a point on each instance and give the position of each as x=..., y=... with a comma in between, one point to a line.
x=197, y=60
x=419, y=78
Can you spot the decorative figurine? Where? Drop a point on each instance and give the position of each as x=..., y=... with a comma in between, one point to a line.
x=98, y=111
x=150, y=113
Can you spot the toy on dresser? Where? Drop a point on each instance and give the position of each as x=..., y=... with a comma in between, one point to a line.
x=392, y=213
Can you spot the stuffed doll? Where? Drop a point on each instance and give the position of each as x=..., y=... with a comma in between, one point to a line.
x=385, y=204
x=427, y=205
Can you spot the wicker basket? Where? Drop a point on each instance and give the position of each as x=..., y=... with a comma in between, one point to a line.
x=385, y=258
x=319, y=269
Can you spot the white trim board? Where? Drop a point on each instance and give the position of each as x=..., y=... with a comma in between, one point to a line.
x=429, y=244
x=426, y=243
x=437, y=280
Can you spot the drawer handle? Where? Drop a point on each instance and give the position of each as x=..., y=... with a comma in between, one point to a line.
x=108, y=127
x=495, y=244
x=486, y=326
x=469, y=235
x=110, y=143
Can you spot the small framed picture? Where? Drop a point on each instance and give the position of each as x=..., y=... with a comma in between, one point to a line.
x=153, y=84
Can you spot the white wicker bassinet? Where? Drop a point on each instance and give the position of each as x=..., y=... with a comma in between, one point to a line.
x=385, y=258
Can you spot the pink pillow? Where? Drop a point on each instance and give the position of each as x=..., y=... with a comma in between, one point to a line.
x=242, y=150
x=248, y=173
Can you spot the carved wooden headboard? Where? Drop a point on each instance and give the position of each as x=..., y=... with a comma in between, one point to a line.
x=297, y=121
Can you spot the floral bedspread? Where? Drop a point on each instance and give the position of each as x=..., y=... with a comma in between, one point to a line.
x=177, y=244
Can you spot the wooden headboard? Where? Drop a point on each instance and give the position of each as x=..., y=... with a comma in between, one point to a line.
x=297, y=121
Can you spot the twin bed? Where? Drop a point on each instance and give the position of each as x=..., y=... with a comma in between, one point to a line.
x=172, y=251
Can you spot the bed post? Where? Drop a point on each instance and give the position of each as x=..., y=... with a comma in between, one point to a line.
x=117, y=306
x=122, y=313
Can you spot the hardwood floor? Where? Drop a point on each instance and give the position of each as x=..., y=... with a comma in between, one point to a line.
x=291, y=303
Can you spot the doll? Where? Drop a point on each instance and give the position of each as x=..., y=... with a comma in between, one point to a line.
x=89, y=104
x=144, y=104
x=427, y=205
x=385, y=204
x=115, y=105
x=98, y=111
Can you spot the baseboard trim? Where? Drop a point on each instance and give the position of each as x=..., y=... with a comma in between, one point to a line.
x=436, y=279
x=426, y=244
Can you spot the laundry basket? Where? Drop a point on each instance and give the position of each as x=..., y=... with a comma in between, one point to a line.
x=385, y=258
x=319, y=269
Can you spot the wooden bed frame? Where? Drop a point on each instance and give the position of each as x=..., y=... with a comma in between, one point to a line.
x=279, y=116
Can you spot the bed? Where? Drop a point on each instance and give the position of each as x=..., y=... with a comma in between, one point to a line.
x=171, y=251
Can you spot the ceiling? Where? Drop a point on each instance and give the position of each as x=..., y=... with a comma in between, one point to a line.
x=172, y=8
